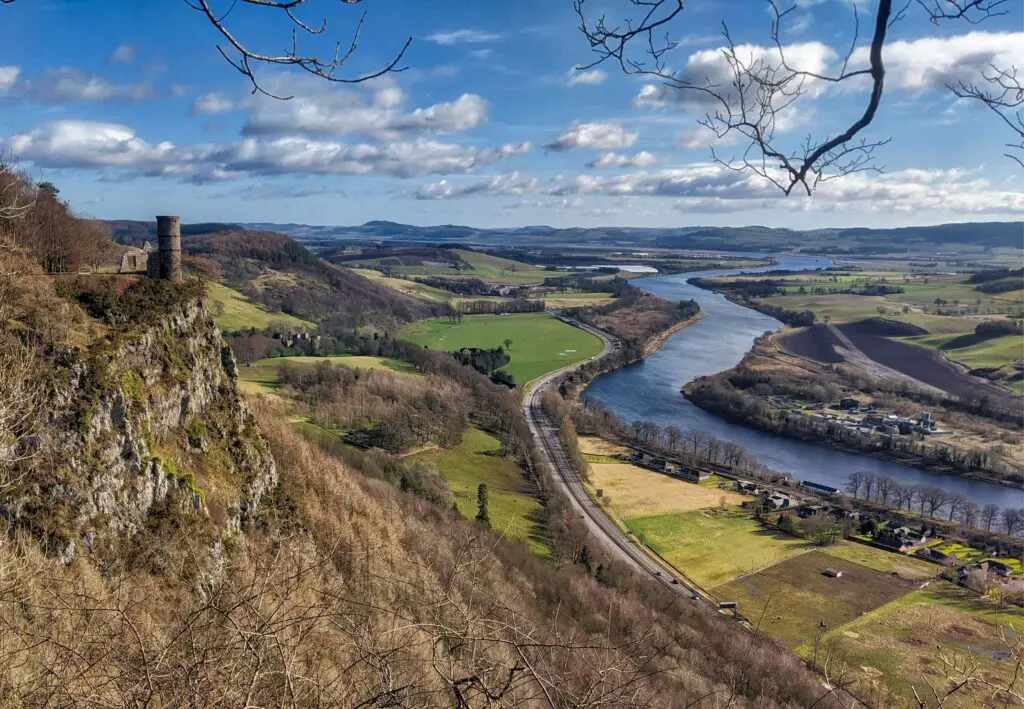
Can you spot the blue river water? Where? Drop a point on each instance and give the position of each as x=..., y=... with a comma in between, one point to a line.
x=650, y=390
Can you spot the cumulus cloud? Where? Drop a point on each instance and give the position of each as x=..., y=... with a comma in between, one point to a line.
x=589, y=78
x=376, y=109
x=709, y=187
x=88, y=144
x=710, y=67
x=212, y=103
x=68, y=84
x=640, y=159
x=594, y=136
x=463, y=36
x=933, y=62
x=511, y=184
x=124, y=54
x=8, y=78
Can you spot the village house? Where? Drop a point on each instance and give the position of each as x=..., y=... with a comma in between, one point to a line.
x=778, y=501
x=934, y=555
x=899, y=537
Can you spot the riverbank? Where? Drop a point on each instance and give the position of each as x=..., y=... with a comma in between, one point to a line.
x=796, y=399
x=658, y=341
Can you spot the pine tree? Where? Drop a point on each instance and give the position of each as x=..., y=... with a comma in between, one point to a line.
x=483, y=515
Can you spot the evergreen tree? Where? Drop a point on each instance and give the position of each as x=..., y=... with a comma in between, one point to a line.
x=483, y=515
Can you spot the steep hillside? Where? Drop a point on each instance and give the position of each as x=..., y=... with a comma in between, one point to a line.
x=286, y=277
x=167, y=548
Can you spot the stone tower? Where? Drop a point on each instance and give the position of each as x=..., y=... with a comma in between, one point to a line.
x=168, y=236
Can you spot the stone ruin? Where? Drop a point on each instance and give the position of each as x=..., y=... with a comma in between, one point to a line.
x=165, y=264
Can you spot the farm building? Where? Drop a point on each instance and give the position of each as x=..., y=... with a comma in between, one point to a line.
x=933, y=555
x=692, y=475
x=818, y=487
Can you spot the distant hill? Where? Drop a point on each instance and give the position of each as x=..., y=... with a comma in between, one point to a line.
x=135, y=233
x=285, y=276
x=970, y=235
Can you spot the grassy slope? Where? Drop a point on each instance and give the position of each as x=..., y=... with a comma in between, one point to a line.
x=490, y=269
x=540, y=343
x=417, y=290
x=263, y=377
x=514, y=508
x=714, y=546
x=996, y=352
x=897, y=643
x=885, y=561
x=238, y=312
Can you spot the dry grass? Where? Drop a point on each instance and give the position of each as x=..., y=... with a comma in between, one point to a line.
x=599, y=446
x=635, y=492
x=899, y=647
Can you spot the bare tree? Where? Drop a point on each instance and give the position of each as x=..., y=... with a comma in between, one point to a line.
x=969, y=514
x=855, y=483
x=989, y=515
x=956, y=502
x=885, y=486
x=933, y=498
x=16, y=197
x=761, y=90
x=1013, y=520
x=674, y=437
x=1001, y=92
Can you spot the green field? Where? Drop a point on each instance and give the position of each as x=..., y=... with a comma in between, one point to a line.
x=489, y=269
x=791, y=600
x=416, y=290
x=715, y=546
x=887, y=562
x=264, y=376
x=233, y=311
x=540, y=342
x=899, y=646
x=512, y=500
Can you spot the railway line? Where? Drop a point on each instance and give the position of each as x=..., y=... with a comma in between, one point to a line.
x=565, y=478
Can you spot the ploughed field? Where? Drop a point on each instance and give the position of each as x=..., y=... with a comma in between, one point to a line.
x=874, y=337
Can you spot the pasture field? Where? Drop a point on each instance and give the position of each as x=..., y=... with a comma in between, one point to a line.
x=792, y=599
x=715, y=546
x=233, y=311
x=634, y=492
x=887, y=562
x=557, y=301
x=512, y=501
x=488, y=268
x=540, y=342
x=896, y=647
x=411, y=288
x=264, y=376
x=973, y=352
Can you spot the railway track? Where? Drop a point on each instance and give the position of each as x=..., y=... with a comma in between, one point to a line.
x=598, y=523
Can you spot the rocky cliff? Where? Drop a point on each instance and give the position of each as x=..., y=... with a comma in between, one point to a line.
x=143, y=422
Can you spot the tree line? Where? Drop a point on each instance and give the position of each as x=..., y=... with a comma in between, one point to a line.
x=933, y=501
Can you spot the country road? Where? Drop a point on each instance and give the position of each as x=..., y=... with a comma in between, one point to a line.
x=566, y=480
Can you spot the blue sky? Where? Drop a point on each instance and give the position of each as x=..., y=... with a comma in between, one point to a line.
x=130, y=110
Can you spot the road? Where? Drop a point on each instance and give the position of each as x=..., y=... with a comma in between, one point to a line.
x=566, y=480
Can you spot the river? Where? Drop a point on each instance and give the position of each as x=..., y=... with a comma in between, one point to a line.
x=650, y=390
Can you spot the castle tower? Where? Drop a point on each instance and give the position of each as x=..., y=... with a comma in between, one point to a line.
x=168, y=236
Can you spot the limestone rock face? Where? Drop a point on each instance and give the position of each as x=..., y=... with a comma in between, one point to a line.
x=146, y=422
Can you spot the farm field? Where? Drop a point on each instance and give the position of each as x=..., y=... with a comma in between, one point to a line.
x=512, y=502
x=264, y=376
x=634, y=492
x=895, y=647
x=416, y=290
x=792, y=599
x=233, y=311
x=887, y=562
x=599, y=446
x=540, y=342
x=715, y=546
x=488, y=268
x=974, y=353
x=574, y=300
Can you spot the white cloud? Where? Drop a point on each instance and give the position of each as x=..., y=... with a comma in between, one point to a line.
x=594, y=136
x=124, y=54
x=932, y=62
x=464, y=36
x=510, y=184
x=640, y=159
x=212, y=103
x=589, y=78
x=375, y=109
x=68, y=84
x=710, y=68
x=87, y=144
x=8, y=78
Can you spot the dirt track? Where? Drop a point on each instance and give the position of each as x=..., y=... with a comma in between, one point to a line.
x=866, y=344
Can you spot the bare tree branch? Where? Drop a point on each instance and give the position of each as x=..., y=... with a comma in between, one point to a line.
x=1004, y=96
x=239, y=54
